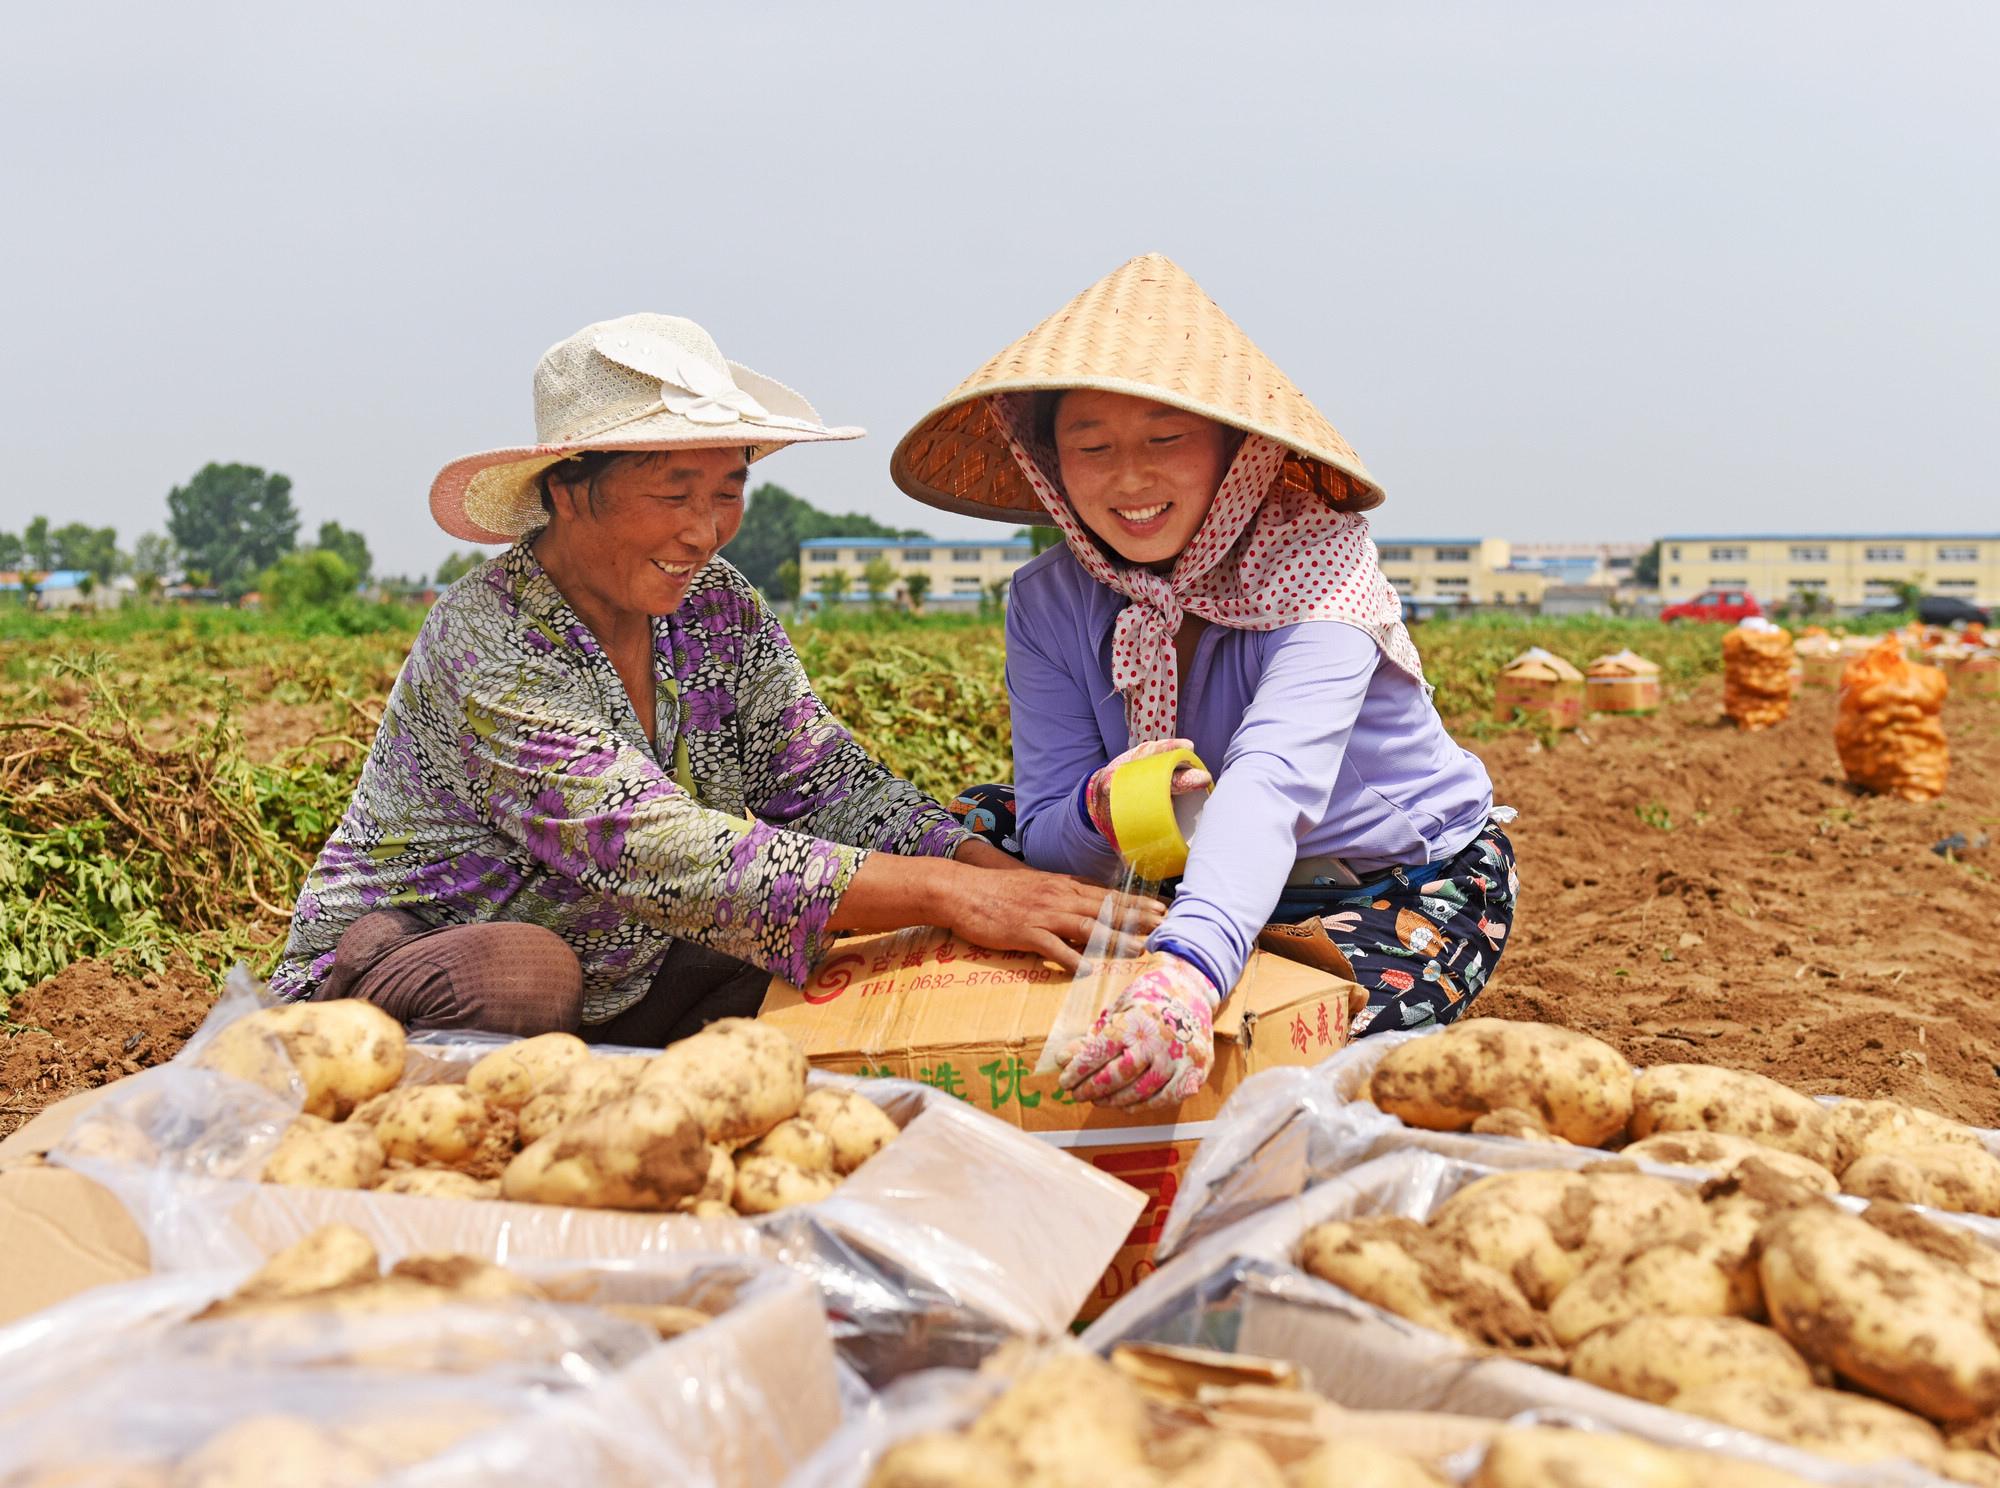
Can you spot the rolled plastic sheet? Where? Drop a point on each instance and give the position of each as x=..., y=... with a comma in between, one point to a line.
x=1151, y=825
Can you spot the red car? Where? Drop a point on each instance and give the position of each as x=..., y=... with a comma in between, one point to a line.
x=1725, y=605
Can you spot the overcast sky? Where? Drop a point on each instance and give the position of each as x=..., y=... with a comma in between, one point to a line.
x=1558, y=270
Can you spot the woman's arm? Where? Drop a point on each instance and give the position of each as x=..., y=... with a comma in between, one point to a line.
x=1276, y=784
x=803, y=769
x=1057, y=744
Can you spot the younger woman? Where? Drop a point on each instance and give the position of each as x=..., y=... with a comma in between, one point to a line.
x=1217, y=588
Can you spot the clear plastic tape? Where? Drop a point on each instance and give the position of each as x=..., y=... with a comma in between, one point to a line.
x=962, y=1215
x=1239, y=1290
x=524, y=1393
x=1283, y=1130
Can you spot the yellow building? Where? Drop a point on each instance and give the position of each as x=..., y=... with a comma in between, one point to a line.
x=1850, y=571
x=960, y=572
x=1451, y=570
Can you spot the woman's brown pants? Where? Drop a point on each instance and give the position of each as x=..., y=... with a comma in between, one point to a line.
x=501, y=977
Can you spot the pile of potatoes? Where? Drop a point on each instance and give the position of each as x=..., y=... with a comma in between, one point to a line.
x=718, y=1124
x=331, y=1277
x=1753, y=1300
x=1074, y=1421
x=1544, y=1084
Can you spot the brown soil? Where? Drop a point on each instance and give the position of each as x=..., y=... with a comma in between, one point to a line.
x=91, y=1025
x=1774, y=919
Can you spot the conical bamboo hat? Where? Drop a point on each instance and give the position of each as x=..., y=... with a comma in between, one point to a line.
x=1146, y=330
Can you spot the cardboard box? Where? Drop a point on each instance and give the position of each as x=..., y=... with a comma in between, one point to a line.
x=1622, y=682
x=926, y=1006
x=1539, y=687
x=1978, y=676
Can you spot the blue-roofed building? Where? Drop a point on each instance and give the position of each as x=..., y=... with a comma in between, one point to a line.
x=961, y=571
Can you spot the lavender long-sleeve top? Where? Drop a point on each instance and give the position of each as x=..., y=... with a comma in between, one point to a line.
x=1319, y=747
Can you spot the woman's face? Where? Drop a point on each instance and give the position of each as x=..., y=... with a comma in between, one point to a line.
x=638, y=533
x=1140, y=474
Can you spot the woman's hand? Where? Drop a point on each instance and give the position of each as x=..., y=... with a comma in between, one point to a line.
x=1013, y=909
x=1097, y=794
x=1154, y=1046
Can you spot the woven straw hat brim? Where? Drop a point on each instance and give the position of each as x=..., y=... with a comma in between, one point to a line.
x=1147, y=331
x=495, y=496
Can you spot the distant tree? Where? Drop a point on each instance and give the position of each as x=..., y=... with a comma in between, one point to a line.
x=917, y=586
x=351, y=546
x=996, y=595
x=776, y=522
x=457, y=566
x=153, y=557
x=41, y=549
x=1041, y=537
x=92, y=549
x=1646, y=568
x=233, y=521
x=786, y=585
x=13, y=553
x=833, y=585
x=307, y=578
x=879, y=576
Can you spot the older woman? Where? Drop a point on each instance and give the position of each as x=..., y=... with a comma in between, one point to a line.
x=603, y=796
x=1216, y=585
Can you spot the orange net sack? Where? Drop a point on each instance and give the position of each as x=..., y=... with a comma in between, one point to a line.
x=1889, y=735
x=1757, y=675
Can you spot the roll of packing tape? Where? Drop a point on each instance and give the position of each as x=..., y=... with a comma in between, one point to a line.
x=1150, y=835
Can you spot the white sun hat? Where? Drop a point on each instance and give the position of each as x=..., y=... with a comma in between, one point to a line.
x=640, y=382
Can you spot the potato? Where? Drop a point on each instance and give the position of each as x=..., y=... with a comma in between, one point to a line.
x=1402, y=1268
x=268, y=1449
x=510, y=1076
x=1542, y=1229
x=642, y=1151
x=1362, y=1464
x=1069, y=1421
x=1833, y=1423
x=1209, y=1458
x=1723, y=1152
x=1687, y=1276
x=467, y=1278
x=401, y=1438
x=319, y=1154
x=438, y=1183
x=343, y=1052
x=1863, y=1127
x=937, y=1459
x=857, y=1127
x=1578, y=1087
x=577, y=1090
x=1947, y=1243
x=93, y=1472
x=765, y=1185
x=738, y=1076
x=1881, y=1313
x=332, y=1257
x=1522, y=1126
x=1539, y=1456
x=1700, y=1097
x=1968, y=1465
x=663, y=1318
x=1660, y=1358
x=1944, y=1175
x=441, y=1126
x=719, y=1187
x=797, y=1142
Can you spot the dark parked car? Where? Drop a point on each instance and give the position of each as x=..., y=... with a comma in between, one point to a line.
x=1946, y=609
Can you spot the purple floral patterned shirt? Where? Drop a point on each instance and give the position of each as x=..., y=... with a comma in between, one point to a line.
x=510, y=780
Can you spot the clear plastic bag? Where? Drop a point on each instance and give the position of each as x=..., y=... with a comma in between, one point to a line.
x=933, y=1252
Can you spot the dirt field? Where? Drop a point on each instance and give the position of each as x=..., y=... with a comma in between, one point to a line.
x=1689, y=893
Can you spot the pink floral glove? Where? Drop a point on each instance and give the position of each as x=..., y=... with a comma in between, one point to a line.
x=1154, y=1046
x=1097, y=794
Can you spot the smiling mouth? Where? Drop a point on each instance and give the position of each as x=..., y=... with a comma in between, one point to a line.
x=675, y=570
x=1142, y=516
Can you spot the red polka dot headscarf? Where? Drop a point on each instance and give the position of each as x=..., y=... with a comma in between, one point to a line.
x=1268, y=554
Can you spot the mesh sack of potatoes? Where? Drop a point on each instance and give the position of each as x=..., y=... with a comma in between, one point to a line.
x=1757, y=675
x=1889, y=733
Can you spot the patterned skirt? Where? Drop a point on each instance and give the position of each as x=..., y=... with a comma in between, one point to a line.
x=1423, y=941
